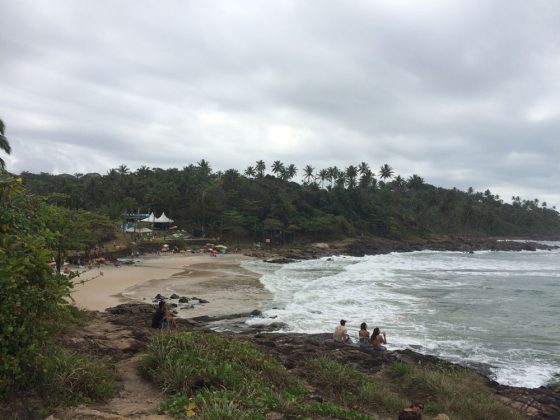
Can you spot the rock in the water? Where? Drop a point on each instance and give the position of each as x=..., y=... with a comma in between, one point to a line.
x=183, y=299
x=256, y=312
x=203, y=301
x=174, y=296
x=160, y=297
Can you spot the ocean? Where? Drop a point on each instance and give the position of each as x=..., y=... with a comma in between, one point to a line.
x=498, y=312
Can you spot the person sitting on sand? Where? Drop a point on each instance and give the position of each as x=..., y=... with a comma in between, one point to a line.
x=363, y=336
x=414, y=412
x=377, y=339
x=162, y=318
x=341, y=332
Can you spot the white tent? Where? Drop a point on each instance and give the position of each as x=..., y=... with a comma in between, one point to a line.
x=163, y=219
x=137, y=230
x=150, y=219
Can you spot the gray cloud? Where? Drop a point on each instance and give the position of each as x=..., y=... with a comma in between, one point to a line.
x=462, y=93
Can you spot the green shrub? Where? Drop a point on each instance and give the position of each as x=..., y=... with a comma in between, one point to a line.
x=32, y=297
x=352, y=388
x=65, y=378
x=456, y=391
x=215, y=377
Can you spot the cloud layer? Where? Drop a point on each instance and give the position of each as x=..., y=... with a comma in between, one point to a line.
x=464, y=93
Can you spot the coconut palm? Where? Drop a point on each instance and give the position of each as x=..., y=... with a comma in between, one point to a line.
x=278, y=168
x=290, y=172
x=351, y=173
x=415, y=182
x=260, y=167
x=308, y=173
x=250, y=171
x=386, y=172
x=323, y=175
x=4, y=144
x=123, y=169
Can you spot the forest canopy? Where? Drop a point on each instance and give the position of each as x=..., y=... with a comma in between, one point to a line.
x=327, y=204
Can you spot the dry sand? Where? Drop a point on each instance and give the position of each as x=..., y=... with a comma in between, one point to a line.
x=227, y=286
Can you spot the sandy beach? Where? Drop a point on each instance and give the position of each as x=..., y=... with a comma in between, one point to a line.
x=228, y=287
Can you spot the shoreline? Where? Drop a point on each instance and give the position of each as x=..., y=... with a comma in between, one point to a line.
x=228, y=287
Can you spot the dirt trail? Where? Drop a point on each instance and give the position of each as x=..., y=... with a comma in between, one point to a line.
x=136, y=398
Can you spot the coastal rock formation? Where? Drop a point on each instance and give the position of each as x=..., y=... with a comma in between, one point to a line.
x=123, y=332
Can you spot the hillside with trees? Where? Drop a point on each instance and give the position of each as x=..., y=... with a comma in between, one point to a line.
x=328, y=203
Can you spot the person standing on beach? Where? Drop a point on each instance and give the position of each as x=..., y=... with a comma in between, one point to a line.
x=341, y=332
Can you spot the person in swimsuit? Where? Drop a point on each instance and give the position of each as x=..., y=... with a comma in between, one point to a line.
x=363, y=335
x=377, y=339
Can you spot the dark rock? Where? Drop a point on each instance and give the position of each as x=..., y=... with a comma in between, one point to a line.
x=280, y=260
x=256, y=312
x=174, y=296
x=160, y=297
x=132, y=308
x=203, y=301
x=183, y=299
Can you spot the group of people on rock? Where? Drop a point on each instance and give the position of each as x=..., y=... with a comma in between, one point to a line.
x=374, y=341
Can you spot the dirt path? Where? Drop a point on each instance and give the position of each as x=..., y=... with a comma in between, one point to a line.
x=136, y=398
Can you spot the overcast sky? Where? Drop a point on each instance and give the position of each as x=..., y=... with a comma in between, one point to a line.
x=463, y=93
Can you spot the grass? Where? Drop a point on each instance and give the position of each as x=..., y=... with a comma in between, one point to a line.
x=67, y=378
x=453, y=390
x=214, y=377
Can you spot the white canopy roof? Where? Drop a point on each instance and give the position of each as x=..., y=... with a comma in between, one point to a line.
x=163, y=219
x=150, y=219
x=137, y=230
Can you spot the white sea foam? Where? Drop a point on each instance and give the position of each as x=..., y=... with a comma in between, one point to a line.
x=467, y=308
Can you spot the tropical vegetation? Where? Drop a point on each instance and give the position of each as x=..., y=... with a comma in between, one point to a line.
x=327, y=203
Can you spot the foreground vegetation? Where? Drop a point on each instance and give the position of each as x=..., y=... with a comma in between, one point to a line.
x=329, y=203
x=35, y=307
x=213, y=377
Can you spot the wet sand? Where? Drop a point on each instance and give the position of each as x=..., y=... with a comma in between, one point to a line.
x=228, y=287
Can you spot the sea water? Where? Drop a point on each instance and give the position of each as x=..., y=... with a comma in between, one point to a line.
x=498, y=312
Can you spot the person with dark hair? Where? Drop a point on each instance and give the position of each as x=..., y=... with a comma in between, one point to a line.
x=162, y=318
x=363, y=335
x=341, y=332
x=377, y=339
x=414, y=412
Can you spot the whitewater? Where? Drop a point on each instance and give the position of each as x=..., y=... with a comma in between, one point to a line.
x=498, y=312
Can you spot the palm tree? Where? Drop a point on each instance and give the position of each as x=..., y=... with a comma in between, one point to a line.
x=290, y=172
x=363, y=169
x=415, y=182
x=308, y=173
x=123, y=169
x=351, y=173
x=278, y=168
x=4, y=144
x=386, y=172
x=143, y=170
x=250, y=171
x=323, y=175
x=204, y=165
x=260, y=168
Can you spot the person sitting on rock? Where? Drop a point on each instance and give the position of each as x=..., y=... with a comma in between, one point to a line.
x=341, y=332
x=162, y=318
x=377, y=339
x=363, y=335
